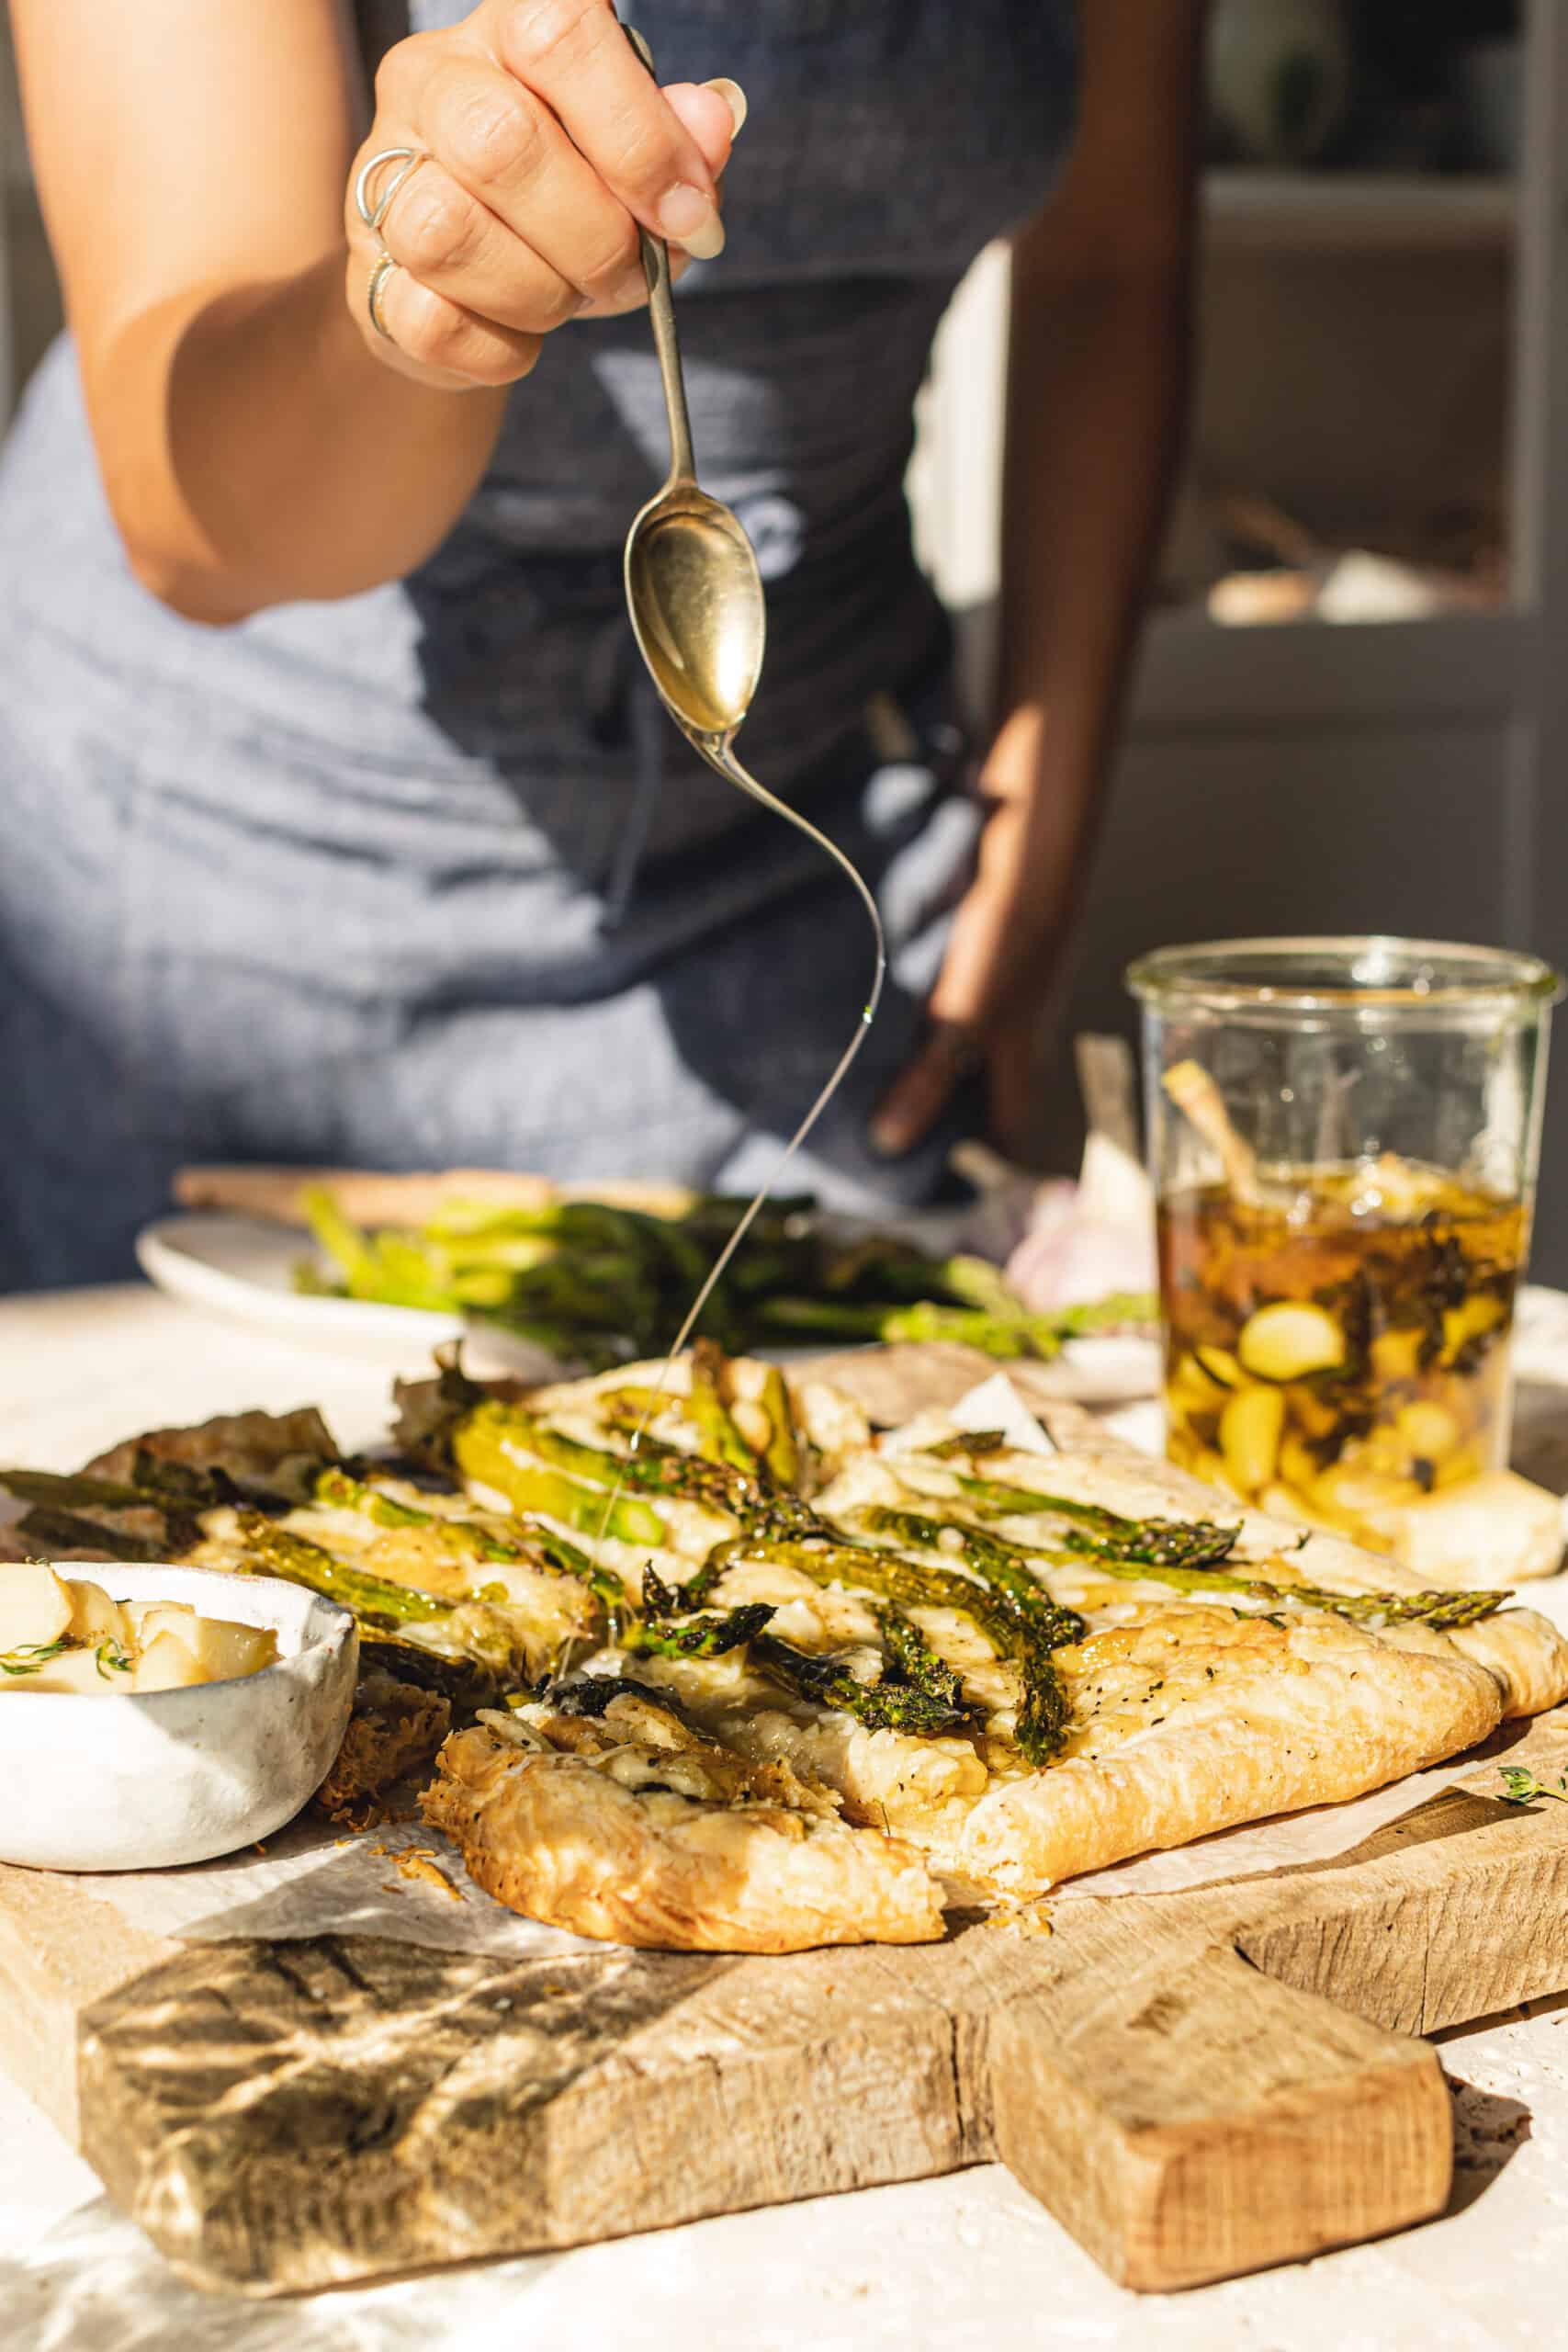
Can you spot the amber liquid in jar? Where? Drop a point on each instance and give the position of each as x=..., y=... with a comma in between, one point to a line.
x=1338, y=1347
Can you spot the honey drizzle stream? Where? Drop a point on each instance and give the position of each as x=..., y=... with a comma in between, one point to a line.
x=716, y=749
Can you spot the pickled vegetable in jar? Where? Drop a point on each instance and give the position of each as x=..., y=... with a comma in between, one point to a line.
x=1337, y=1345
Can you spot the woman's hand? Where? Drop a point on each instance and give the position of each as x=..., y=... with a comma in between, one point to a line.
x=544, y=143
x=985, y=1011
x=213, y=320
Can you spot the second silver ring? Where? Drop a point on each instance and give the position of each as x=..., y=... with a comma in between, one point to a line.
x=381, y=269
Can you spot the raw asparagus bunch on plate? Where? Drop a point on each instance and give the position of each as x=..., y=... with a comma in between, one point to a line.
x=596, y=1282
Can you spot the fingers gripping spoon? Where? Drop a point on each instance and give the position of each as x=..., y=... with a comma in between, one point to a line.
x=695, y=598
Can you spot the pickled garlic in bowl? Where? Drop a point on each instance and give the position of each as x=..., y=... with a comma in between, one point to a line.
x=65, y=1634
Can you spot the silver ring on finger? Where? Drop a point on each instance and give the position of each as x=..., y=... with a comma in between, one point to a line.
x=373, y=209
x=381, y=269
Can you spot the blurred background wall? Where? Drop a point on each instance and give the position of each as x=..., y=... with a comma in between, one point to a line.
x=1351, y=707
x=1349, y=710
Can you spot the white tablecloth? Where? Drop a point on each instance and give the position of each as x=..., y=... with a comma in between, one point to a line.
x=968, y=2264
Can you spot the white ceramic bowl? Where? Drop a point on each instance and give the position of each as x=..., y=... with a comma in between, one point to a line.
x=136, y=1782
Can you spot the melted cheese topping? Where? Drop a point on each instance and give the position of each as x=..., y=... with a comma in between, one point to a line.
x=813, y=1617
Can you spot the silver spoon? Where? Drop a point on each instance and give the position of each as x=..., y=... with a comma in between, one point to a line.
x=697, y=610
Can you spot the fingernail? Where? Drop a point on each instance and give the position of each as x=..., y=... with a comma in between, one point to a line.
x=688, y=218
x=734, y=97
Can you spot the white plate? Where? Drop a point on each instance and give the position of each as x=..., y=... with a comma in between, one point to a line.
x=240, y=1266
x=243, y=1269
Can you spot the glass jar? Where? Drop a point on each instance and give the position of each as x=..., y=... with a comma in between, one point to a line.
x=1343, y=1136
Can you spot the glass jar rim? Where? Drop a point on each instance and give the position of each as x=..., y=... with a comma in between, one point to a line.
x=1381, y=973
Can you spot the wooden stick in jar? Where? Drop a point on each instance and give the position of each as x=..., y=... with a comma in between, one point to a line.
x=1194, y=1093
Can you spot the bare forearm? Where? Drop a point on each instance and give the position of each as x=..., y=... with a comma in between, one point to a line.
x=1097, y=391
x=1097, y=355
x=1097, y=381
x=255, y=453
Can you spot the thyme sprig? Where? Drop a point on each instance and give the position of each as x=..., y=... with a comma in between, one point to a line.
x=1520, y=1787
x=32, y=1657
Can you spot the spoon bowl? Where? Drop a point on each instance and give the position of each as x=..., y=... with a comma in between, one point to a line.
x=697, y=609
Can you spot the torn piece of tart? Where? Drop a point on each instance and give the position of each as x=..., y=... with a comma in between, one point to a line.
x=392, y=1735
x=626, y=1825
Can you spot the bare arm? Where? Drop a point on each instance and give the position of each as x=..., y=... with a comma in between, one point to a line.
x=1096, y=386
x=258, y=442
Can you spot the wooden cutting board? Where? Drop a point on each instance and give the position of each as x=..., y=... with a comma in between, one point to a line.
x=1196, y=2084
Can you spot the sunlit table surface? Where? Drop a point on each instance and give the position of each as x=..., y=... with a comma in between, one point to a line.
x=968, y=2264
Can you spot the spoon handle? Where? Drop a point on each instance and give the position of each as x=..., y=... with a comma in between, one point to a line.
x=662, y=313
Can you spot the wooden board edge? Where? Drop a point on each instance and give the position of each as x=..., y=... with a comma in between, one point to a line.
x=61, y=1948
x=1459, y=1912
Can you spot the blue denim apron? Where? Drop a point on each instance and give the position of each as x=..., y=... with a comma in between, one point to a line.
x=424, y=876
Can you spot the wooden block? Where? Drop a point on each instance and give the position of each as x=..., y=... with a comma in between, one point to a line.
x=1198, y=2120
x=1457, y=1911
